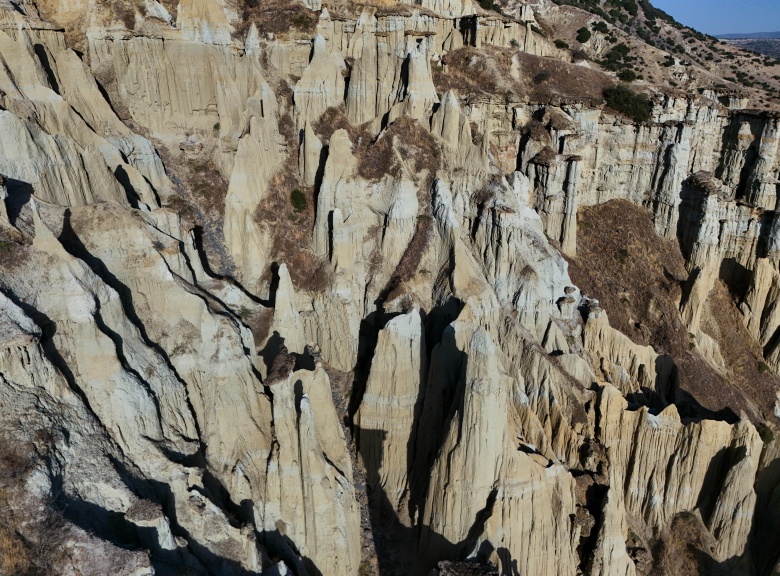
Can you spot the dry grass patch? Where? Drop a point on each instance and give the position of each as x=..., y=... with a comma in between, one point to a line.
x=404, y=143
x=638, y=278
x=260, y=324
x=686, y=548
x=278, y=17
x=208, y=185
x=487, y=73
x=32, y=533
x=553, y=78
x=288, y=209
x=12, y=253
x=741, y=353
x=334, y=119
x=200, y=184
x=199, y=200
x=348, y=10
x=474, y=72
x=14, y=467
x=410, y=261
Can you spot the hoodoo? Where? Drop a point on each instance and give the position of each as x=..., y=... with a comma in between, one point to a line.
x=432, y=287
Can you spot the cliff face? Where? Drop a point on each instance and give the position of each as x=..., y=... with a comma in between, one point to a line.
x=286, y=289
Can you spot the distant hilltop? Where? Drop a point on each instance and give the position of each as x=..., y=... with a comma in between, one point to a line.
x=753, y=36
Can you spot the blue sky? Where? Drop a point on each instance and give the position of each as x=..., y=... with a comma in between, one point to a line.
x=724, y=16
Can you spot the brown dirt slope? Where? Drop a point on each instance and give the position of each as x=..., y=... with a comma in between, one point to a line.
x=486, y=72
x=686, y=548
x=637, y=277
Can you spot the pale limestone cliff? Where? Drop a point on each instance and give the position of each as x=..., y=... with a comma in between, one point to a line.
x=390, y=406
x=199, y=415
x=498, y=483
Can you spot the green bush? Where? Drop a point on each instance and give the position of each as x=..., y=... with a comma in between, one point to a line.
x=542, y=76
x=765, y=432
x=627, y=75
x=580, y=56
x=490, y=5
x=621, y=50
x=583, y=35
x=561, y=45
x=601, y=26
x=622, y=99
x=298, y=200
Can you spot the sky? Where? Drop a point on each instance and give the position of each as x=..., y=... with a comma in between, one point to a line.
x=724, y=16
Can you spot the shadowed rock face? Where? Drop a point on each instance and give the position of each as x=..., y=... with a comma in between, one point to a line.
x=326, y=291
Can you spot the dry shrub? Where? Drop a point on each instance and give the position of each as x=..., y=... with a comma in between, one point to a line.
x=704, y=181
x=466, y=568
x=545, y=157
x=307, y=271
x=105, y=76
x=375, y=259
x=183, y=208
x=546, y=27
x=556, y=120
x=404, y=141
x=280, y=17
x=14, y=556
x=202, y=193
x=276, y=210
x=285, y=96
x=15, y=462
x=170, y=5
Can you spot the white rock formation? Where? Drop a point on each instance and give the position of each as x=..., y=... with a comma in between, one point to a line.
x=440, y=225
